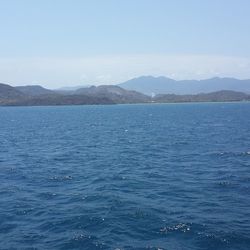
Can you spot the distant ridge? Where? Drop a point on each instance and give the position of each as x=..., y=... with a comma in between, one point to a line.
x=70, y=89
x=33, y=95
x=114, y=93
x=219, y=96
x=34, y=90
x=150, y=85
x=105, y=94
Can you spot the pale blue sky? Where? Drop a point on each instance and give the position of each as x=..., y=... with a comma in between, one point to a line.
x=71, y=42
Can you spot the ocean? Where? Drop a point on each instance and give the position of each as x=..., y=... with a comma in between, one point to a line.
x=154, y=176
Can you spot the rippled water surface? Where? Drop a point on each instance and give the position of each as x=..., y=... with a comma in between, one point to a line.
x=174, y=176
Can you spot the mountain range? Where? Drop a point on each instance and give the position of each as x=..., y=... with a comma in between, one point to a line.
x=37, y=95
x=150, y=85
x=146, y=89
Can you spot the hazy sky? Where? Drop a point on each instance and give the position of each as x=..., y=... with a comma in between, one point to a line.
x=72, y=42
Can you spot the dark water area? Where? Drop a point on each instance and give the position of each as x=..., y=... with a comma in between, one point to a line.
x=173, y=176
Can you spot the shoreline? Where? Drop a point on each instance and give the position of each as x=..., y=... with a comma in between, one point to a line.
x=123, y=104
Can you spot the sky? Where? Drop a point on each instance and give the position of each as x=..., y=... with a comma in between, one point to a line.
x=76, y=42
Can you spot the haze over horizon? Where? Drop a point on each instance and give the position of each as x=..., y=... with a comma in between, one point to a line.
x=68, y=43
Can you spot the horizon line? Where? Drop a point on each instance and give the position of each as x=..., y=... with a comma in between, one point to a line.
x=129, y=79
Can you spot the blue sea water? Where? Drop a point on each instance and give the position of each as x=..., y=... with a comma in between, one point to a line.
x=171, y=176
